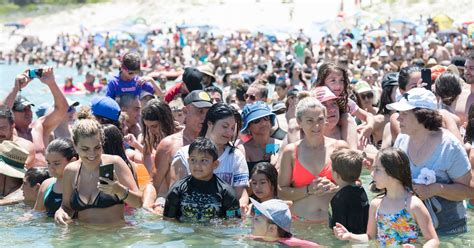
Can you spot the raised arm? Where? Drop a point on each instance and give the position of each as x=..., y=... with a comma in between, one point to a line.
x=21, y=80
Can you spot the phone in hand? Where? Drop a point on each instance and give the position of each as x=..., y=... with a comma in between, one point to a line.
x=107, y=171
x=426, y=78
x=35, y=73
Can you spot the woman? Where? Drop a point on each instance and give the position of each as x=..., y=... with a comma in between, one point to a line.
x=59, y=153
x=420, y=124
x=259, y=145
x=82, y=193
x=365, y=96
x=305, y=169
x=220, y=127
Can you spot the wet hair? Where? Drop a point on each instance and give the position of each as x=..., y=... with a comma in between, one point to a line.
x=113, y=145
x=347, y=164
x=470, y=126
x=36, y=175
x=281, y=232
x=448, y=87
x=270, y=173
x=220, y=111
x=324, y=71
x=85, y=128
x=131, y=61
x=6, y=113
x=404, y=75
x=64, y=147
x=204, y=145
x=156, y=110
x=125, y=100
x=430, y=119
x=306, y=102
x=397, y=165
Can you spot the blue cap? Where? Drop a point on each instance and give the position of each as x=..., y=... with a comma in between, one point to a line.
x=256, y=111
x=105, y=107
x=41, y=110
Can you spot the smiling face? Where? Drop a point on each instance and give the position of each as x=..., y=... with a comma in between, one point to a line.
x=312, y=122
x=89, y=149
x=261, y=187
x=222, y=131
x=332, y=113
x=335, y=82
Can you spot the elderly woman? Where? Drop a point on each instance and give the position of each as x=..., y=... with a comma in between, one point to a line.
x=420, y=124
x=259, y=145
x=305, y=169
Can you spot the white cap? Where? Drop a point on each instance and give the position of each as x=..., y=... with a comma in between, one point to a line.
x=415, y=98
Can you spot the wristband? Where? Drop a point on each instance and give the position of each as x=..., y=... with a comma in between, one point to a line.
x=127, y=190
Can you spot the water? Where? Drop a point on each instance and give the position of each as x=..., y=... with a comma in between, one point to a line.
x=143, y=229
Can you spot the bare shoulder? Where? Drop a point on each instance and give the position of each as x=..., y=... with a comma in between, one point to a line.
x=72, y=168
x=375, y=203
x=334, y=144
x=170, y=141
x=26, y=144
x=414, y=203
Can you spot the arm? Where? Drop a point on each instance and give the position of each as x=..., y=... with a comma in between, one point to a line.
x=342, y=233
x=39, y=205
x=134, y=196
x=461, y=189
x=149, y=196
x=172, y=209
x=162, y=162
x=387, y=137
x=423, y=220
x=21, y=80
x=242, y=195
x=64, y=214
x=347, y=123
x=178, y=171
x=285, y=190
x=365, y=130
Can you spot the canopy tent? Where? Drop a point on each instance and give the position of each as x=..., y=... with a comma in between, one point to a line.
x=443, y=21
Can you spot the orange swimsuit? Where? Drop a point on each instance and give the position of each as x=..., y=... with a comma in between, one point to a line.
x=301, y=177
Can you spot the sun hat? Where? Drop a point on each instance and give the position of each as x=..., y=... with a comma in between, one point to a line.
x=323, y=94
x=389, y=79
x=199, y=98
x=275, y=210
x=106, y=107
x=21, y=103
x=208, y=69
x=415, y=98
x=12, y=159
x=256, y=111
x=362, y=86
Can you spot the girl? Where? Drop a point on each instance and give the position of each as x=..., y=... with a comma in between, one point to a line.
x=264, y=182
x=337, y=80
x=396, y=216
x=59, y=153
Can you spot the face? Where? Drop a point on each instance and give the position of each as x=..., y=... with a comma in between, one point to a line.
x=222, y=131
x=469, y=71
x=206, y=80
x=153, y=126
x=178, y=115
x=413, y=81
x=23, y=118
x=260, y=126
x=216, y=97
x=30, y=193
x=252, y=95
x=56, y=163
x=71, y=115
x=312, y=122
x=366, y=98
x=90, y=79
x=261, y=187
x=202, y=165
x=332, y=113
x=335, y=82
x=260, y=225
x=280, y=91
x=89, y=149
x=379, y=175
x=6, y=130
x=133, y=112
x=368, y=77
x=128, y=75
x=195, y=117
x=407, y=121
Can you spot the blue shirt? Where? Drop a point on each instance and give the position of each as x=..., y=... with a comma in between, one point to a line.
x=117, y=86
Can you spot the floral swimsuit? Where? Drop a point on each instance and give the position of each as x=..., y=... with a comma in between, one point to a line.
x=397, y=228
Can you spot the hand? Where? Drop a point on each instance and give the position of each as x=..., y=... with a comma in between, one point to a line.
x=341, y=232
x=22, y=80
x=48, y=76
x=244, y=209
x=111, y=187
x=365, y=132
x=130, y=140
x=322, y=186
x=424, y=191
x=144, y=79
x=61, y=217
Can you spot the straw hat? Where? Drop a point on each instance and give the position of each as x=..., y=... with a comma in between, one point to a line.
x=12, y=159
x=208, y=69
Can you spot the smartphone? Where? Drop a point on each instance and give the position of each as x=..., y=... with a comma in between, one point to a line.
x=35, y=73
x=426, y=77
x=107, y=171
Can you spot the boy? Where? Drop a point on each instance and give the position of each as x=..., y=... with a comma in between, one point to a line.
x=272, y=223
x=350, y=205
x=128, y=82
x=202, y=196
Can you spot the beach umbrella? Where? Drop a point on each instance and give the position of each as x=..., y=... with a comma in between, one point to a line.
x=444, y=22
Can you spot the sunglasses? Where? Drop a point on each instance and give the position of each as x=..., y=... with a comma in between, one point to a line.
x=251, y=97
x=369, y=95
x=265, y=118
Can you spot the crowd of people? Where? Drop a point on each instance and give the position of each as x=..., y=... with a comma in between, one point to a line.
x=217, y=143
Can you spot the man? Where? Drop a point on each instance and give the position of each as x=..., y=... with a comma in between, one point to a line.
x=196, y=105
x=215, y=93
x=64, y=128
x=40, y=131
x=466, y=99
x=7, y=125
x=191, y=80
x=12, y=170
x=89, y=83
x=208, y=77
x=130, y=105
x=257, y=91
x=440, y=53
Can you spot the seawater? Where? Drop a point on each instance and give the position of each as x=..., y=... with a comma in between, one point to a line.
x=143, y=229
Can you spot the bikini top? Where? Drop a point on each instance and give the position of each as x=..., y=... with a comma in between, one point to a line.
x=102, y=200
x=301, y=177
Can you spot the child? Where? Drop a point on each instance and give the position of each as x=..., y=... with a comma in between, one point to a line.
x=272, y=222
x=202, y=196
x=264, y=182
x=350, y=206
x=337, y=80
x=397, y=215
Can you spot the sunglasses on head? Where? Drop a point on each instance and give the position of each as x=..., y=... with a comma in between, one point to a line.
x=369, y=95
x=251, y=97
x=265, y=118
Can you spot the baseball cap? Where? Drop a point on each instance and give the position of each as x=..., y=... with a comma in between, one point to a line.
x=71, y=104
x=390, y=79
x=256, y=111
x=415, y=98
x=362, y=86
x=275, y=210
x=145, y=93
x=42, y=109
x=105, y=107
x=199, y=98
x=292, y=92
x=192, y=78
x=21, y=103
x=323, y=94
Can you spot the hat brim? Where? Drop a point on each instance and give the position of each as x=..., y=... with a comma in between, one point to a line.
x=400, y=106
x=11, y=171
x=328, y=98
x=264, y=211
x=257, y=116
x=22, y=106
x=202, y=104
